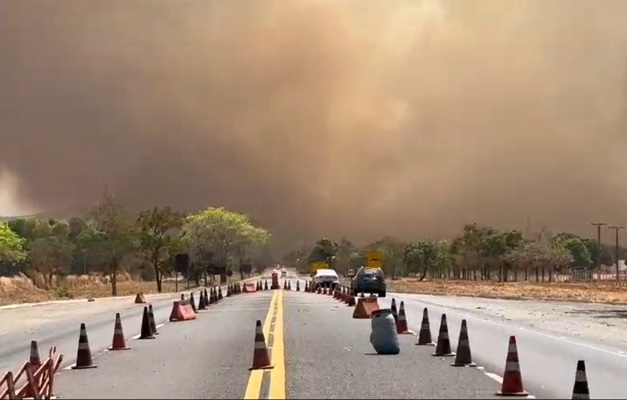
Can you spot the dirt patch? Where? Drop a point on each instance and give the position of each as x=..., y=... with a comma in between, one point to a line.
x=587, y=292
x=22, y=289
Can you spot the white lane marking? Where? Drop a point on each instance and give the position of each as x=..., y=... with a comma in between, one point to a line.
x=139, y=334
x=135, y=337
x=494, y=376
x=497, y=378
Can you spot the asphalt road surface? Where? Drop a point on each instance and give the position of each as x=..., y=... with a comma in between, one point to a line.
x=317, y=349
x=548, y=357
x=57, y=324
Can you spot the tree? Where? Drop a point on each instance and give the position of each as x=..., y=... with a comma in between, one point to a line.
x=325, y=250
x=11, y=245
x=297, y=257
x=414, y=259
x=157, y=240
x=216, y=236
x=392, y=249
x=345, y=249
x=577, y=249
x=51, y=255
x=599, y=252
x=425, y=256
x=30, y=228
x=109, y=234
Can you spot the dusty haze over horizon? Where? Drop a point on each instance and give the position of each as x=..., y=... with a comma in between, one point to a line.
x=358, y=118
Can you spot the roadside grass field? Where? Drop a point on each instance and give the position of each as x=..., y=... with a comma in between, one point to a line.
x=22, y=289
x=599, y=292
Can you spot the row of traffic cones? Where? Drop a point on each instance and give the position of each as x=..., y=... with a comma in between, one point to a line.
x=287, y=285
x=213, y=296
x=512, y=384
x=341, y=293
x=84, y=359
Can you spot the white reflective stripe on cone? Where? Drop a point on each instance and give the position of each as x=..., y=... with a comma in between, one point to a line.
x=83, y=346
x=512, y=366
x=580, y=376
x=260, y=345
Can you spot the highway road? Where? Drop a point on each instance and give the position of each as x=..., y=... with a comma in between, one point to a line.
x=548, y=354
x=57, y=324
x=318, y=350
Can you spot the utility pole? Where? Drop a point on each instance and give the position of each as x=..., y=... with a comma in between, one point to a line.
x=616, y=229
x=598, y=257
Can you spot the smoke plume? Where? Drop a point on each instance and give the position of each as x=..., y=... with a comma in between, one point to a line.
x=354, y=117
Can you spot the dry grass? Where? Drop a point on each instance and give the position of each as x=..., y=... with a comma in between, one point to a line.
x=576, y=291
x=22, y=289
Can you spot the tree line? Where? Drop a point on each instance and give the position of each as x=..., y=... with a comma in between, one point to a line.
x=109, y=239
x=477, y=253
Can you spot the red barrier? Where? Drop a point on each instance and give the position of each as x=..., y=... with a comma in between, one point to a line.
x=250, y=287
x=140, y=298
x=39, y=381
x=182, y=311
x=365, y=307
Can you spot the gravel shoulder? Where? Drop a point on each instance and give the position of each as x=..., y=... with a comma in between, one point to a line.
x=590, y=322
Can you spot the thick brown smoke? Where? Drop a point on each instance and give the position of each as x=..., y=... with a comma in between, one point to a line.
x=355, y=117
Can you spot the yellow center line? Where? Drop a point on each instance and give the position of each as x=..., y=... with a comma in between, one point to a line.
x=277, y=375
x=253, y=388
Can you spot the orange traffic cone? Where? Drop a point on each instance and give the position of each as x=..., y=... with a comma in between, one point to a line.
x=83, y=355
x=34, y=360
x=464, y=355
x=140, y=298
x=512, y=378
x=443, y=346
x=424, y=336
x=581, y=391
x=351, y=301
x=401, y=322
x=261, y=357
x=119, y=343
x=34, y=364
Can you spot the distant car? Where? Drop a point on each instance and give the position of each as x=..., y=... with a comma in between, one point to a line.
x=326, y=278
x=369, y=280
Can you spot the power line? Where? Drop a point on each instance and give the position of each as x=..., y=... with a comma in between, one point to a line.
x=598, y=257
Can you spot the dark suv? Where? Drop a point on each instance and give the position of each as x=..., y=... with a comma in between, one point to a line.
x=369, y=280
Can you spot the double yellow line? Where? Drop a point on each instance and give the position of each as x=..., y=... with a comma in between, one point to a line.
x=273, y=326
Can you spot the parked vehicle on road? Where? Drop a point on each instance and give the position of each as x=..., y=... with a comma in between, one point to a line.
x=369, y=280
x=326, y=278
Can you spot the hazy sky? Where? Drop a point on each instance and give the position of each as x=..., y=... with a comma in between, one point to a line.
x=352, y=117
